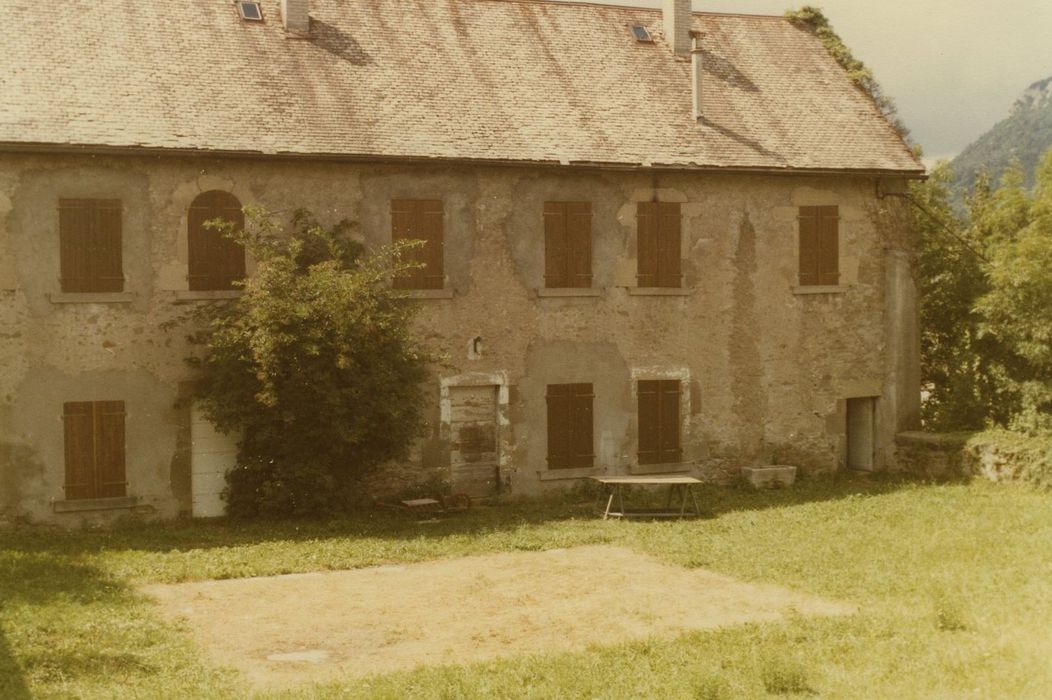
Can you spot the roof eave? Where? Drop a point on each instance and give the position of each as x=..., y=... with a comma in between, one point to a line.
x=93, y=149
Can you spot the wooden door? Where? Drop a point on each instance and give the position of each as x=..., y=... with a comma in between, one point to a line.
x=475, y=447
x=861, y=443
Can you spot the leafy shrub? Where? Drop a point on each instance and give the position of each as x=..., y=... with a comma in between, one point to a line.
x=1004, y=455
x=315, y=366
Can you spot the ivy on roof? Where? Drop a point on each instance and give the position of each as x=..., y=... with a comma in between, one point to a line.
x=814, y=20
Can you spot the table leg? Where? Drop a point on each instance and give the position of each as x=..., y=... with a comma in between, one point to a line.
x=621, y=502
x=694, y=498
x=609, y=502
x=683, y=489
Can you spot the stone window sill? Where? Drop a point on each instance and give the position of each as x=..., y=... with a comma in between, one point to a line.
x=185, y=296
x=568, y=292
x=673, y=468
x=91, y=297
x=659, y=292
x=425, y=293
x=820, y=289
x=567, y=474
x=95, y=504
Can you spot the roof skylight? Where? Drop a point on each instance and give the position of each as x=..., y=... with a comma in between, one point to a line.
x=250, y=11
x=642, y=34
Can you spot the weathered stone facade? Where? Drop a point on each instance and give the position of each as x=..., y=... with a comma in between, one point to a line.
x=769, y=366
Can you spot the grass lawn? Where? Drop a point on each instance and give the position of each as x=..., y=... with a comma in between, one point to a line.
x=953, y=582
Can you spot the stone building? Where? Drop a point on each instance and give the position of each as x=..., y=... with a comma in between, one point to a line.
x=658, y=240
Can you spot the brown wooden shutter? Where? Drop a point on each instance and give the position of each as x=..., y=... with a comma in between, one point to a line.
x=420, y=220
x=432, y=227
x=402, y=212
x=649, y=414
x=581, y=435
x=829, y=245
x=658, y=417
x=570, y=431
x=108, y=259
x=90, y=255
x=79, y=423
x=810, y=248
x=231, y=254
x=95, y=449
x=568, y=244
x=109, y=449
x=579, y=244
x=668, y=242
x=555, y=245
x=670, y=451
x=74, y=217
x=647, y=223
x=215, y=261
x=560, y=449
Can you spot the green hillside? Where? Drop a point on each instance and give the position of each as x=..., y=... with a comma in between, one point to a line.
x=1026, y=134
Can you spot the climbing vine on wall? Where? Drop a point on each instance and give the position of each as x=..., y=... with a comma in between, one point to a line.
x=815, y=21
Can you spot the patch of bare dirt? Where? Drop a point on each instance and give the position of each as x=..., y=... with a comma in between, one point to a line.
x=284, y=630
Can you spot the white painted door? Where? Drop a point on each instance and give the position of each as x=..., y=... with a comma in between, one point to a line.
x=212, y=455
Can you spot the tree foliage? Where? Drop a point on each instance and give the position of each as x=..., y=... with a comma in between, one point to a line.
x=1017, y=308
x=314, y=366
x=957, y=375
x=986, y=285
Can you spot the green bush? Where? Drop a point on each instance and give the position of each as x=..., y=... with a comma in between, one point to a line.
x=1005, y=455
x=314, y=366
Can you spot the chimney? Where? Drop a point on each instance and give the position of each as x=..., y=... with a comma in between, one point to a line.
x=696, y=66
x=295, y=16
x=677, y=25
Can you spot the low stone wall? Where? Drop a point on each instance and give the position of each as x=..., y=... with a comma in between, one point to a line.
x=937, y=455
x=997, y=455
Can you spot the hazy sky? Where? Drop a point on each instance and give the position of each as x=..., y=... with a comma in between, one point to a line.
x=953, y=66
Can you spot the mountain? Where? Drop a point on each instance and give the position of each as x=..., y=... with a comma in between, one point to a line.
x=1026, y=134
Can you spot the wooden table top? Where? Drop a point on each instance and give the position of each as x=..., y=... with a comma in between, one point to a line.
x=651, y=480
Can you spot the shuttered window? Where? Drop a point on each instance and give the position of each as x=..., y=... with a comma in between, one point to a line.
x=420, y=220
x=658, y=241
x=94, y=443
x=570, y=426
x=659, y=441
x=216, y=262
x=567, y=244
x=90, y=245
x=819, y=246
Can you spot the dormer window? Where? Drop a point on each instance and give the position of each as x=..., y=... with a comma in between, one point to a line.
x=250, y=11
x=642, y=34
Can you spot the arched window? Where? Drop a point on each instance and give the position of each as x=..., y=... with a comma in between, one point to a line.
x=216, y=261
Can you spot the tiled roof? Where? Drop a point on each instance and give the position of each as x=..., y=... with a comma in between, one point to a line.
x=489, y=80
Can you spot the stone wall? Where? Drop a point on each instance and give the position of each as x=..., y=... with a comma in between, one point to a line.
x=934, y=455
x=766, y=366
x=995, y=455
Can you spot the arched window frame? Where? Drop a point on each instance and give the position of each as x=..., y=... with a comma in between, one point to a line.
x=214, y=262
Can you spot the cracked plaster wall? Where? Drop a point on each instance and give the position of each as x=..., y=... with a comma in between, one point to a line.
x=767, y=370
